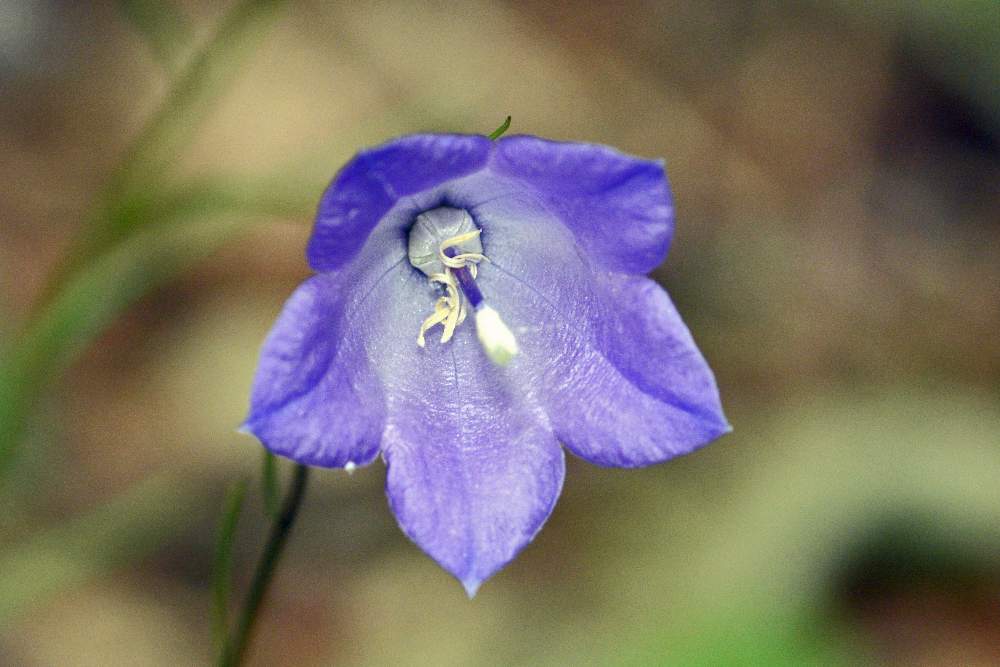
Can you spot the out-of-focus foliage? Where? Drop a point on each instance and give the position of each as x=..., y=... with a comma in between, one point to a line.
x=835, y=169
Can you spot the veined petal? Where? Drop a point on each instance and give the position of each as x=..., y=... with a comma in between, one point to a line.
x=618, y=206
x=663, y=360
x=316, y=398
x=648, y=396
x=618, y=373
x=473, y=469
x=374, y=180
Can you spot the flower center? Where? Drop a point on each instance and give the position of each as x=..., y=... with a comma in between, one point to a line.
x=444, y=244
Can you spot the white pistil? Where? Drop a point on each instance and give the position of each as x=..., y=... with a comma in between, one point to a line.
x=496, y=338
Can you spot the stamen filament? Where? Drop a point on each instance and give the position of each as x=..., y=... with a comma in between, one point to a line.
x=458, y=280
x=453, y=260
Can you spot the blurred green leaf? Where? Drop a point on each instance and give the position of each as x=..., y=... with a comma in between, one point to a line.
x=98, y=280
x=222, y=572
x=955, y=39
x=187, y=104
x=129, y=526
x=182, y=227
x=234, y=650
x=750, y=637
x=165, y=29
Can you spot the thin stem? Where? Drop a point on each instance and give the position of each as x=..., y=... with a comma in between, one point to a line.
x=269, y=483
x=236, y=647
x=222, y=573
x=166, y=133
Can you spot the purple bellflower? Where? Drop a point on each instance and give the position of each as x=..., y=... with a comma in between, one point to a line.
x=545, y=245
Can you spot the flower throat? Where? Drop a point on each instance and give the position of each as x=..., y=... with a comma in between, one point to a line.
x=444, y=244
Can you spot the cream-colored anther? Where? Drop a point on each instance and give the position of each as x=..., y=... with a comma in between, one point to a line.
x=432, y=235
x=450, y=310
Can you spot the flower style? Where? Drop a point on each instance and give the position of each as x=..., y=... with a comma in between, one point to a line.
x=547, y=245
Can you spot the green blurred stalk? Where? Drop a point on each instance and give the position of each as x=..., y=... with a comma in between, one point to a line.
x=113, y=264
x=222, y=572
x=178, y=118
x=499, y=132
x=236, y=645
x=94, y=296
x=269, y=484
x=162, y=26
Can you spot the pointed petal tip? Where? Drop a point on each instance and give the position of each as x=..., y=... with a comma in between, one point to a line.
x=722, y=427
x=471, y=586
x=719, y=429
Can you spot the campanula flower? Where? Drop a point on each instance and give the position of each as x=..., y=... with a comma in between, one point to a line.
x=478, y=306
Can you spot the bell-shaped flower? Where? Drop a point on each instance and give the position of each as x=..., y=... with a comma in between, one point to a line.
x=478, y=306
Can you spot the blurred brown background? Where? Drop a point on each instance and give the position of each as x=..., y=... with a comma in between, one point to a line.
x=835, y=167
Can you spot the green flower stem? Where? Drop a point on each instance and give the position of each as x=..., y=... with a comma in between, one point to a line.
x=269, y=483
x=236, y=647
x=222, y=573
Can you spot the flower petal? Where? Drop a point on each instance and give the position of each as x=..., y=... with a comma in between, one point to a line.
x=316, y=398
x=657, y=393
x=662, y=360
x=617, y=371
x=374, y=180
x=473, y=469
x=618, y=206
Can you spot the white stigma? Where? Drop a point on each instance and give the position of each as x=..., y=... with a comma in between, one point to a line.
x=496, y=338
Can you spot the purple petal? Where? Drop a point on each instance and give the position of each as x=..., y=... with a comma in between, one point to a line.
x=618, y=373
x=371, y=183
x=648, y=395
x=473, y=469
x=316, y=397
x=618, y=206
x=662, y=360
